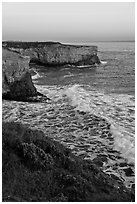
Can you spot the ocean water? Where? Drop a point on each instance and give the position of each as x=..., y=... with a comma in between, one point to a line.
x=91, y=111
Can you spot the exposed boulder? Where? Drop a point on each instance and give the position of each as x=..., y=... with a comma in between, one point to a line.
x=22, y=88
x=56, y=54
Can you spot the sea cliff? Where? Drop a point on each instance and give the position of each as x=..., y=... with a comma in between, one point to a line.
x=55, y=53
x=36, y=167
x=16, y=79
x=16, y=56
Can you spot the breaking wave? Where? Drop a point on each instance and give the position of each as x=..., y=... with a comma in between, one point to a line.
x=118, y=110
x=36, y=76
x=92, y=124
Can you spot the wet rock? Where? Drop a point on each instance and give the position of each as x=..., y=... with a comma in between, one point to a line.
x=37, y=99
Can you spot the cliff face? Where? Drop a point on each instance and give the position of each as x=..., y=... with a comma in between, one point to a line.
x=16, y=79
x=56, y=54
x=16, y=56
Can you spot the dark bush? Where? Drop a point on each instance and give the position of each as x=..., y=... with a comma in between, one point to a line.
x=37, y=168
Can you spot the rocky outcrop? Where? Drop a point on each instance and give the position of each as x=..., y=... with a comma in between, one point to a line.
x=16, y=56
x=56, y=54
x=37, y=168
x=16, y=79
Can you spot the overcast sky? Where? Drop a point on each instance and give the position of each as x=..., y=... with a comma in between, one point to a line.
x=68, y=22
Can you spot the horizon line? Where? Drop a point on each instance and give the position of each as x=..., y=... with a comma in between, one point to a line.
x=69, y=42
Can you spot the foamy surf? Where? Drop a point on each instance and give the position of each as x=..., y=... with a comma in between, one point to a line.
x=103, y=62
x=68, y=75
x=113, y=108
x=85, y=66
x=124, y=142
x=75, y=117
x=36, y=76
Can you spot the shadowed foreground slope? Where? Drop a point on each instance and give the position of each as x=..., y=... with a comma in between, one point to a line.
x=36, y=168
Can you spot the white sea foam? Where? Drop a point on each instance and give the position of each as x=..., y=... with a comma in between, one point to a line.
x=68, y=75
x=124, y=142
x=36, y=76
x=118, y=110
x=103, y=62
x=85, y=66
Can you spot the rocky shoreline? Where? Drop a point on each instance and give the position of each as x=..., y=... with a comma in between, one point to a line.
x=16, y=56
x=32, y=160
x=87, y=135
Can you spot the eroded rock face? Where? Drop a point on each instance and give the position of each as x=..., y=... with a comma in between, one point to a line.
x=16, y=79
x=56, y=54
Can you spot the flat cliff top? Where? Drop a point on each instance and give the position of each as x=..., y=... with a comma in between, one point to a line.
x=7, y=54
x=27, y=45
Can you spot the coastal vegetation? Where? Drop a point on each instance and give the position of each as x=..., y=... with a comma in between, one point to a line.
x=37, y=168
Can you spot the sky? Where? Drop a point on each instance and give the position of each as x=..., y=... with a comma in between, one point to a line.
x=68, y=21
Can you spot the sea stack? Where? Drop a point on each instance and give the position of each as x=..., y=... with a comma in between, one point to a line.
x=16, y=79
